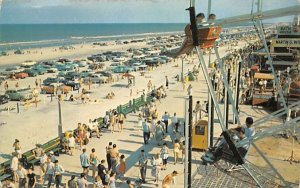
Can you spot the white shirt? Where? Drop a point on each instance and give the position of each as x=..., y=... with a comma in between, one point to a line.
x=72, y=142
x=50, y=168
x=174, y=119
x=22, y=173
x=43, y=159
x=82, y=183
x=14, y=163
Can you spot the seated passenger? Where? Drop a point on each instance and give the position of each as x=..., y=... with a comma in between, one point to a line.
x=249, y=130
x=93, y=128
x=211, y=19
x=200, y=18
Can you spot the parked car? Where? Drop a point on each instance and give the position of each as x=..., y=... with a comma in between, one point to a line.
x=54, y=88
x=50, y=80
x=21, y=75
x=52, y=70
x=4, y=99
x=19, y=94
x=31, y=72
x=73, y=84
x=96, y=78
x=40, y=70
x=122, y=69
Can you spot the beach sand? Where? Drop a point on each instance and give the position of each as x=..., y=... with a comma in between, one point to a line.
x=39, y=124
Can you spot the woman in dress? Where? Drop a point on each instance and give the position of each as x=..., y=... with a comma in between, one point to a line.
x=157, y=165
x=94, y=161
x=158, y=133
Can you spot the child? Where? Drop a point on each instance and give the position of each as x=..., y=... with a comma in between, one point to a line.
x=122, y=167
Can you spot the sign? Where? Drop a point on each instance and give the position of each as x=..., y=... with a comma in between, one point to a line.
x=288, y=30
x=288, y=42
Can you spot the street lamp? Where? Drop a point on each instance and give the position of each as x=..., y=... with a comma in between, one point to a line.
x=59, y=98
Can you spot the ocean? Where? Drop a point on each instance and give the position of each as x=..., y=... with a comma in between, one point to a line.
x=23, y=36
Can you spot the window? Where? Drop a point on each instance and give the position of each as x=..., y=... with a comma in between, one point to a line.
x=200, y=130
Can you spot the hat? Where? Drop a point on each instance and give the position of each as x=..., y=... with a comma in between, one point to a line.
x=51, y=153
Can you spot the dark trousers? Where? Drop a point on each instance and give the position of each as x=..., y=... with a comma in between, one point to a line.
x=49, y=178
x=143, y=171
x=166, y=123
x=58, y=179
x=108, y=161
x=146, y=137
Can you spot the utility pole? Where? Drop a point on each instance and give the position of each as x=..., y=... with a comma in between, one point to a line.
x=59, y=117
x=237, y=90
x=190, y=141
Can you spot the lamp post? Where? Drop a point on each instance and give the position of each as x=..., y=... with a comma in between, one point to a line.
x=59, y=114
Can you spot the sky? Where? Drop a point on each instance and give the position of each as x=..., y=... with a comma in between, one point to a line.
x=123, y=11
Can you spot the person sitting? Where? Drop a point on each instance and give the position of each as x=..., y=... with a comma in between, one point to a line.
x=93, y=128
x=211, y=19
x=249, y=129
x=72, y=98
x=200, y=18
x=215, y=154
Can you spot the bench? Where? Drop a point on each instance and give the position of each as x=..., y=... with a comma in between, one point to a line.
x=5, y=170
x=28, y=158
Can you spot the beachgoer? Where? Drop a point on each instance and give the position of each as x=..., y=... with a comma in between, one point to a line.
x=197, y=111
x=51, y=155
x=43, y=166
x=159, y=133
x=176, y=151
x=121, y=118
x=122, y=167
x=98, y=182
x=112, y=122
x=17, y=147
x=174, y=121
x=31, y=178
x=112, y=180
x=82, y=182
x=22, y=173
x=101, y=171
x=146, y=131
x=58, y=171
x=72, y=183
x=94, y=162
x=71, y=144
x=165, y=119
x=49, y=171
x=108, y=150
x=169, y=179
x=84, y=161
x=167, y=82
x=143, y=160
x=165, y=155
x=114, y=155
x=182, y=146
x=130, y=184
x=149, y=85
x=156, y=169
x=14, y=165
x=140, y=122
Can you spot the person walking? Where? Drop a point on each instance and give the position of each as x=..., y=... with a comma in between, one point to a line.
x=82, y=182
x=71, y=144
x=146, y=131
x=102, y=170
x=169, y=179
x=43, y=161
x=121, y=118
x=108, y=150
x=14, y=166
x=156, y=169
x=159, y=133
x=174, y=121
x=72, y=183
x=112, y=122
x=94, y=162
x=165, y=155
x=197, y=111
x=165, y=119
x=143, y=160
x=114, y=155
x=122, y=167
x=140, y=122
x=176, y=151
x=112, y=180
x=17, y=147
x=21, y=173
x=167, y=82
x=49, y=171
x=149, y=85
x=84, y=161
x=31, y=178
x=58, y=171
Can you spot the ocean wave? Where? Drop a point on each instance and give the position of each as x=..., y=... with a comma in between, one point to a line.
x=125, y=35
x=31, y=42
